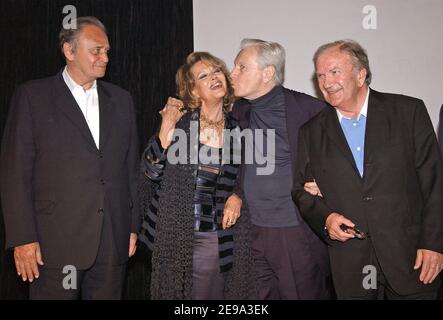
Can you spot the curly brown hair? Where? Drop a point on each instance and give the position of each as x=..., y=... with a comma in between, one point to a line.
x=185, y=81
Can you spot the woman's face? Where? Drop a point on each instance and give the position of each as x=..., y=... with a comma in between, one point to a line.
x=209, y=82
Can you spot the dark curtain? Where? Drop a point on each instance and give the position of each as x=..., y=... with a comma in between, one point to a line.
x=149, y=40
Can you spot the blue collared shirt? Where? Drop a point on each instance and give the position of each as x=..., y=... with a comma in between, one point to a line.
x=354, y=131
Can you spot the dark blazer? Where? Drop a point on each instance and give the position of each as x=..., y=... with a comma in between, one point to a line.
x=56, y=186
x=398, y=200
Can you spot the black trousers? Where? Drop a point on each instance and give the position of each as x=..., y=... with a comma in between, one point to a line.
x=288, y=263
x=102, y=281
x=385, y=292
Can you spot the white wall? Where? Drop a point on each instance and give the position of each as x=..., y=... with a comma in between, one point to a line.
x=405, y=50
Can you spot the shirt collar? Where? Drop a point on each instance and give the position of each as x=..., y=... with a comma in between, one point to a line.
x=72, y=85
x=363, y=111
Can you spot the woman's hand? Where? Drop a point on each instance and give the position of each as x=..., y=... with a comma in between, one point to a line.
x=231, y=213
x=171, y=114
x=312, y=188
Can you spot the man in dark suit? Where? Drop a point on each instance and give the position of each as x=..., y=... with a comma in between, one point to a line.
x=376, y=161
x=290, y=261
x=69, y=168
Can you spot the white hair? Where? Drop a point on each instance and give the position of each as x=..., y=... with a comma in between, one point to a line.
x=268, y=54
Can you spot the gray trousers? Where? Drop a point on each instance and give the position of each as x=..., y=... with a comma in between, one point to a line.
x=207, y=281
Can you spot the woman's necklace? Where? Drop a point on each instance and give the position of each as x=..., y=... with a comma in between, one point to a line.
x=206, y=123
x=211, y=130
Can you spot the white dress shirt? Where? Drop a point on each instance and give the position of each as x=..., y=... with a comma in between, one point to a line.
x=87, y=100
x=363, y=111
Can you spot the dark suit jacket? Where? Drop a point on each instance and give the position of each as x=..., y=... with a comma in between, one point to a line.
x=56, y=185
x=398, y=200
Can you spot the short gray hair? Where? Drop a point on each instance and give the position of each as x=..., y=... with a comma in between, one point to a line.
x=71, y=35
x=357, y=53
x=268, y=54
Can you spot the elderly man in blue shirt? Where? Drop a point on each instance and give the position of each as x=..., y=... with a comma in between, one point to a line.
x=376, y=160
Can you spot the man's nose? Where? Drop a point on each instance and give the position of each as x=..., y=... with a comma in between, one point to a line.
x=104, y=57
x=326, y=81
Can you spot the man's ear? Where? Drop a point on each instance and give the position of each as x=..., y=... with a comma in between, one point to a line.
x=362, y=76
x=68, y=50
x=268, y=74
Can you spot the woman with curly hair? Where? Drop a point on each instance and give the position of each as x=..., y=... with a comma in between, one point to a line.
x=199, y=242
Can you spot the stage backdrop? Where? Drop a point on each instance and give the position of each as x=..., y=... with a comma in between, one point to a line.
x=402, y=37
x=149, y=40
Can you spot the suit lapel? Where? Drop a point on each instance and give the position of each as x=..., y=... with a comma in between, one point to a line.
x=65, y=101
x=105, y=107
x=334, y=131
x=376, y=126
